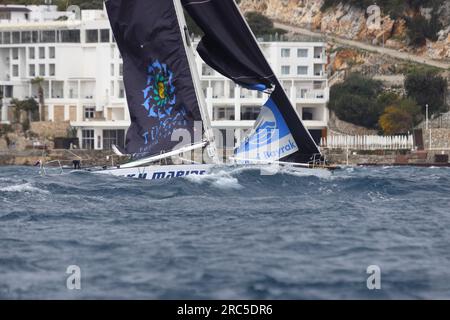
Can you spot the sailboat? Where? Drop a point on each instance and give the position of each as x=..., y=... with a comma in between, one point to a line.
x=167, y=103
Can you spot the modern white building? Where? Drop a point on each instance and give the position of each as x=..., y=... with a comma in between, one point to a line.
x=82, y=69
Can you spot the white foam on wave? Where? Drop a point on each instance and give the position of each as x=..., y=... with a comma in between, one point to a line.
x=219, y=179
x=26, y=187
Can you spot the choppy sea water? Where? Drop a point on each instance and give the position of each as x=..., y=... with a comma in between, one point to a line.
x=233, y=235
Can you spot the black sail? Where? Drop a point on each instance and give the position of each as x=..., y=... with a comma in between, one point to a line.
x=159, y=87
x=229, y=47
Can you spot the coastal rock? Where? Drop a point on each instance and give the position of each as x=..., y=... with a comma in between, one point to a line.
x=351, y=22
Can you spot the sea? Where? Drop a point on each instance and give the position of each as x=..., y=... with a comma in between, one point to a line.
x=357, y=233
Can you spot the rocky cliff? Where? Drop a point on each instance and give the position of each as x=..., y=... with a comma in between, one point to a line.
x=351, y=22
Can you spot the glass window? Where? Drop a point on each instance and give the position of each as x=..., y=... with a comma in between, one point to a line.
x=6, y=37
x=15, y=70
x=285, y=53
x=70, y=36
x=48, y=36
x=15, y=53
x=302, y=70
x=26, y=37
x=34, y=36
x=113, y=137
x=41, y=53
x=250, y=113
x=51, y=70
x=16, y=37
x=89, y=112
x=88, y=140
x=104, y=35
x=32, y=69
x=51, y=52
x=285, y=70
x=92, y=36
x=31, y=53
x=302, y=53
x=121, y=70
x=42, y=70
x=112, y=70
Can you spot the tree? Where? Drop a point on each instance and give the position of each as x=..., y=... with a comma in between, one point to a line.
x=400, y=117
x=29, y=106
x=38, y=81
x=261, y=25
x=426, y=87
x=355, y=101
x=395, y=121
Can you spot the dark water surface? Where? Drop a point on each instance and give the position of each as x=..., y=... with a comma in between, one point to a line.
x=232, y=235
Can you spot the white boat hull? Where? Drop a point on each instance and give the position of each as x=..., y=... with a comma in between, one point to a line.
x=159, y=172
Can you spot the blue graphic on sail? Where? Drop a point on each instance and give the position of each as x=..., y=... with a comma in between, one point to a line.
x=270, y=140
x=160, y=99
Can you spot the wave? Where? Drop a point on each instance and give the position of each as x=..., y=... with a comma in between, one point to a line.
x=26, y=187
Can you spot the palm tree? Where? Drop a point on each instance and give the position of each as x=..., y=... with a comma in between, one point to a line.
x=38, y=81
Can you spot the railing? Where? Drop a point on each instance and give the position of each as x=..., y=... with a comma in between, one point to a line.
x=400, y=142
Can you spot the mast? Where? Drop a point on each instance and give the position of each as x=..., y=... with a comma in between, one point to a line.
x=209, y=133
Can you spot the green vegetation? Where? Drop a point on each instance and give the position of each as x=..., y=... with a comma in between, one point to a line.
x=400, y=116
x=427, y=87
x=356, y=101
x=29, y=106
x=362, y=101
x=261, y=25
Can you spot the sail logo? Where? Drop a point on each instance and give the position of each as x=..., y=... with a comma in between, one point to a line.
x=264, y=133
x=160, y=103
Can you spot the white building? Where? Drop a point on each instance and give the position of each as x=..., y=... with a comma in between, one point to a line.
x=82, y=71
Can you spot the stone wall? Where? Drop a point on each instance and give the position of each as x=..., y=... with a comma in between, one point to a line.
x=440, y=138
x=338, y=127
x=50, y=130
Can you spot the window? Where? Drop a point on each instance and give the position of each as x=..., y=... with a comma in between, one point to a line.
x=113, y=137
x=32, y=69
x=285, y=70
x=6, y=37
x=15, y=53
x=31, y=53
x=121, y=70
x=16, y=37
x=302, y=53
x=34, y=36
x=48, y=36
x=250, y=113
x=121, y=93
x=224, y=113
x=91, y=36
x=302, y=70
x=285, y=53
x=112, y=70
x=1, y=38
x=41, y=53
x=104, y=35
x=26, y=37
x=89, y=113
x=42, y=70
x=70, y=36
x=88, y=140
x=51, y=70
x=51, y=52
x=15, y=71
